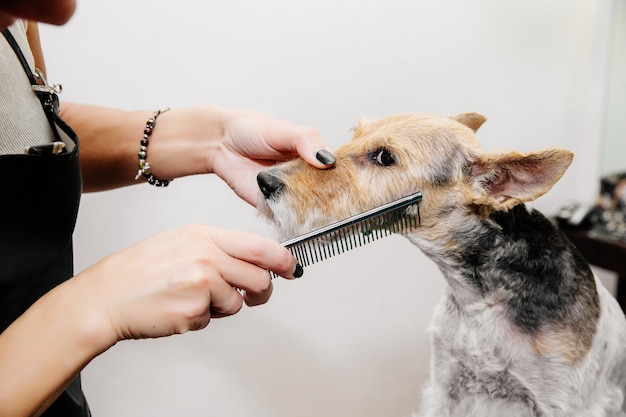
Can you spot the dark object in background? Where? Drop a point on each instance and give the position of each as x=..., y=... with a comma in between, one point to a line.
x=599, y=230
x=607, y=217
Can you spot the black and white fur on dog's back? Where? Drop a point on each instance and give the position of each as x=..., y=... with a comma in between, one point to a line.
x=524, y=328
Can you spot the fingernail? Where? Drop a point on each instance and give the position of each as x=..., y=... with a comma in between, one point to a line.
x=298, y=272
x=325, y=157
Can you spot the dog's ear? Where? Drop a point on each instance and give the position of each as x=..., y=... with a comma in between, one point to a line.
x=471, y=120
x=504, y=179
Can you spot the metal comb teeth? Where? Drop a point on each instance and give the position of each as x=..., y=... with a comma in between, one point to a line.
x=355, y=231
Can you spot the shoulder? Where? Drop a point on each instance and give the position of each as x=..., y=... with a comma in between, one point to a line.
x=32, y=35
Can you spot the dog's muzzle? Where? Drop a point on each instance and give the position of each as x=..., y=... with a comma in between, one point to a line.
x=269, y=184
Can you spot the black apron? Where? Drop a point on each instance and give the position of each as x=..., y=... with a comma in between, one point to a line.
x=39, y=197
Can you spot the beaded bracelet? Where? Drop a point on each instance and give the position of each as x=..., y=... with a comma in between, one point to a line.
x=144, y=166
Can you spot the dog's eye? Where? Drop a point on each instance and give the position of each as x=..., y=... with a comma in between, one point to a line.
x=383, y=157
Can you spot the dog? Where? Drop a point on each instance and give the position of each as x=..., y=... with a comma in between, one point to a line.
x=524, y=328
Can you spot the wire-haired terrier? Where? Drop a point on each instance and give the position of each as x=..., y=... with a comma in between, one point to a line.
x=524, y=327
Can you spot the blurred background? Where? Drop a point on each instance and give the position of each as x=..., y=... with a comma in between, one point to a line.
x=350, y=337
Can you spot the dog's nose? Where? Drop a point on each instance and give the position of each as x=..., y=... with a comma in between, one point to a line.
x=269, y=183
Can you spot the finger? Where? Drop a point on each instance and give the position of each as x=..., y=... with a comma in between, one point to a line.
x=305, y=142
x=255, y=282
x=312, y=149
x=258, y=250
x=258, y=298
x=225, y=300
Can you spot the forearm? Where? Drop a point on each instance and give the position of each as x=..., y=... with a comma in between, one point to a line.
x=181, y=143
x=44, y=349
x=235, y=144
x=171, y=283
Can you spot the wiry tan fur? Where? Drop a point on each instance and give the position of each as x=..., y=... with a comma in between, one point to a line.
x=524, y=329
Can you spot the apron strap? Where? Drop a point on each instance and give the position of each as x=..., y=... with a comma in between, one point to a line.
x=16, y=48
x=47, y=94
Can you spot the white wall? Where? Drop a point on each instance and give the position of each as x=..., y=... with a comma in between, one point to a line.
x=349, y=338
x=614, y=156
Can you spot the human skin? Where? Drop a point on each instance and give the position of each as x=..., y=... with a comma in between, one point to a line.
x=56, y=12
x=170, y=283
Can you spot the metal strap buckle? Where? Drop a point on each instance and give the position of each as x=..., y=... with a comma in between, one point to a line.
x=43, y=86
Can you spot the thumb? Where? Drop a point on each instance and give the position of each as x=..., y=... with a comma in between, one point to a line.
x=313, y=150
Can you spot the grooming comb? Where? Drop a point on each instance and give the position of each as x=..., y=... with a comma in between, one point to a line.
x=355, y=231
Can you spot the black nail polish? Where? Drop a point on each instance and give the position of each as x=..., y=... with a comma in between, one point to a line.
x=298, y=272
x=325, y=157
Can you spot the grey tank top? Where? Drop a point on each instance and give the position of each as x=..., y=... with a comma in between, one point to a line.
x=22, y=123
